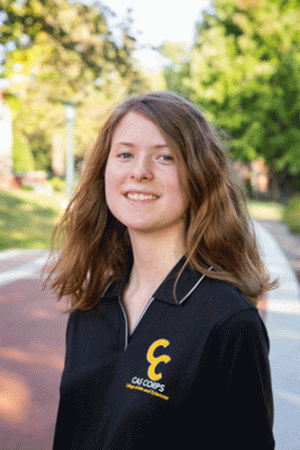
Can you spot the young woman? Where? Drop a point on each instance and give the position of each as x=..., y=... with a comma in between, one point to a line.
x=165, y=346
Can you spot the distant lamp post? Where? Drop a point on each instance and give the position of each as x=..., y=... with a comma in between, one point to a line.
x=70, y=115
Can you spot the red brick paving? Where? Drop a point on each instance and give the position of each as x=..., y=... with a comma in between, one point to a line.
x=32, y=336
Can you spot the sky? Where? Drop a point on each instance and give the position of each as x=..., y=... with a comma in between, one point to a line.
x=159, y=21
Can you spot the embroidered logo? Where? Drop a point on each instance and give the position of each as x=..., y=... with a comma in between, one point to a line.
x=154, y=361
x=150, y=385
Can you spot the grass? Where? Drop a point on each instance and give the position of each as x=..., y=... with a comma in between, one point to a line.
x=265, y=210
x=27, y=219
x=292, y=214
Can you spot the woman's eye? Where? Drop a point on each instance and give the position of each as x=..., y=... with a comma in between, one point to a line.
x=166, y=158
x=125, y=155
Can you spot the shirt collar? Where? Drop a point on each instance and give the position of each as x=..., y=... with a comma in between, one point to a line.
x=187, y=283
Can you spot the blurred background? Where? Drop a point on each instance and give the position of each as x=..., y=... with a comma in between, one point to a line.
x=63, y=65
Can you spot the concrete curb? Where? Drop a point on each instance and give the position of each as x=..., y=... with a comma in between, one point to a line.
x=278, y=267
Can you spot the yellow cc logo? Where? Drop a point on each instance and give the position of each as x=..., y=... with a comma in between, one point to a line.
x=156, y=360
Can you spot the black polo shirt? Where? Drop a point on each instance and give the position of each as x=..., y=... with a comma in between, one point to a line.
x=192, y=374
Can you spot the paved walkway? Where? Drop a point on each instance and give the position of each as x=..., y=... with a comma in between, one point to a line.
x=33, y=335
x=283, y=324
x=288, y=242
x=32, y=338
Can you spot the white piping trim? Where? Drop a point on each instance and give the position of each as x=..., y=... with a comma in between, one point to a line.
x=142, y=315
x=106, y=289
x=126, y=324
x=146, y=308
x=194, y=287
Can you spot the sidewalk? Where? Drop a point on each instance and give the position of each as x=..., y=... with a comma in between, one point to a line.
x=32, y=350
x=283, y=323
x=288, y=242
x=280, y=260
x=33, y=368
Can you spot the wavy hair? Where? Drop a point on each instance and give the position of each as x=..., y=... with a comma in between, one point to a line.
x=94, y=247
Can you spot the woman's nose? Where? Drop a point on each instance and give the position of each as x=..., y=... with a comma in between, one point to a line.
x=142, y=169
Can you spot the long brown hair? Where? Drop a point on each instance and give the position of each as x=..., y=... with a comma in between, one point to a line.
x=94, y=247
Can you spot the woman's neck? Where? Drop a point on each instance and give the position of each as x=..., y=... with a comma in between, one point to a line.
x=154, y=256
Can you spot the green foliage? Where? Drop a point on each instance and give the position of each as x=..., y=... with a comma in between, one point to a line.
x=265, y=210
x=64, y=51
x=23, y=160
x=25, y=223
x=72, y=37
x=58, y=184
x=174, y=74
x=41, y=149
x=292, y=214
x=244, y=69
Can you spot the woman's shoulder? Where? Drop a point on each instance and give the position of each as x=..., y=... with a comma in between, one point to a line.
x=79, y=320
x=230, y=311
x=220, y=299
x=226, y=291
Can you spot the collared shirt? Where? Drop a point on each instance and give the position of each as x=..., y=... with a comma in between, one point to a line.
x=194, y=372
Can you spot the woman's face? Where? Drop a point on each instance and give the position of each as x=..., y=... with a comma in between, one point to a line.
x=142, y=187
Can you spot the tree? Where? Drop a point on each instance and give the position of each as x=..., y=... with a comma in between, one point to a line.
x=78, y=35
x=176, y=72
x=64, y=52
x=244, y=69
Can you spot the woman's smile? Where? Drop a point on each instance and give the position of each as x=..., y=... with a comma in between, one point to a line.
x=141, y=197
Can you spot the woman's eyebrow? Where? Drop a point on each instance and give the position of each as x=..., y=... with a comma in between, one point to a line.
x=158, y=146
x=130, y=144
x=127, y=144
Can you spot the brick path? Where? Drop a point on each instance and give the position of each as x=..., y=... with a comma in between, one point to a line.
x=32, y=337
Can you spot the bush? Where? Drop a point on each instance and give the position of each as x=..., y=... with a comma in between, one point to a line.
x=23, y=160
x=27, y=187
x=58, y=184
x=291, y=214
